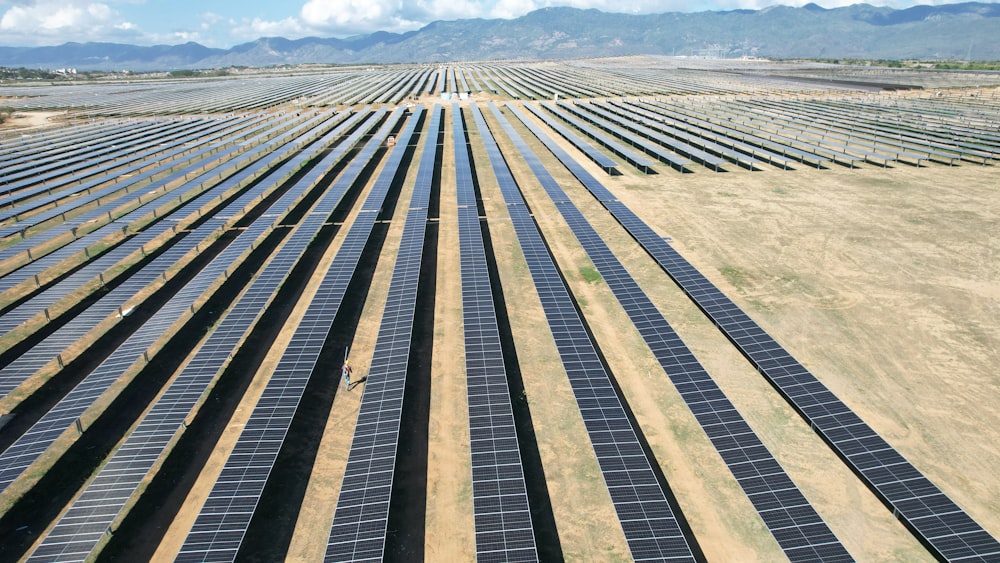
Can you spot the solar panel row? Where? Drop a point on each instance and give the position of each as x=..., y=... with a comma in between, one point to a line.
x=124, y=179
x=948, y=531
x=592, y=153
x=640, y=142
x=678, y=137
x=247, y=166
x=76, y=159
x=359, y=524
x=499, y=495
x=76, y=170
x=56, y=343
x=65, y=185
x=13, y=318
x=83, y=526
x=723, y=125
x=219, y=529
x=650, y=526
x=41, y=141
x=649, y=113
x=16, y=459
x=794, y=523
x=149, y=198
x=656, y=136
x=630, y=156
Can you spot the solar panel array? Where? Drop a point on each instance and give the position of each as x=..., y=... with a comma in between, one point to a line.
x=56, y=343
x=499, y=495
x=269, y=151
x=77, y=204
x=261, y=142
x=651, y=529
x=947, y=530
x=648, y=137
x=630, y=156
x=222, y=522
x=38, y=303
x=794, y=523
x=86, y=162
x=89, y=518
x=940, y=524
x=640, y=142
x=16, y=459
x=592, y=153
x=359, y=522
x=151, y=191
x=130, y=183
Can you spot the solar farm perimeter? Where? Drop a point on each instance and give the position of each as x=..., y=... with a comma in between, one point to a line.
x=624, y=309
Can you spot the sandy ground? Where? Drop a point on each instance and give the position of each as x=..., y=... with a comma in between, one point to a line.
x=586, y=520
x=339, y=428
x=450, y=529
x=884, y=282
x=23, y=120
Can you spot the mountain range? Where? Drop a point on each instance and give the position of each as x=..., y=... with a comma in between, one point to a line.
x=951, y=31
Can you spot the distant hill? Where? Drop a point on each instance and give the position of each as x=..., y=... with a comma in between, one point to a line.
x=951, y=31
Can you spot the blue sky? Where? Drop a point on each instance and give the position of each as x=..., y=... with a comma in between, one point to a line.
x=224, y=23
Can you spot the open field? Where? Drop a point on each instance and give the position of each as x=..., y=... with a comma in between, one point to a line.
x=866, y=247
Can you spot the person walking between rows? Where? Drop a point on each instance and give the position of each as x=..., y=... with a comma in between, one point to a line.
x=346, y=371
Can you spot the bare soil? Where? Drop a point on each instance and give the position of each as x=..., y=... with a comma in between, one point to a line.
x=884, y=282
x=24, y=120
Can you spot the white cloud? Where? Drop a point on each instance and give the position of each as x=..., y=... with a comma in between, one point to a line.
x=47, y=21
x=513, y=8
x=257, y=27
x=356, y=16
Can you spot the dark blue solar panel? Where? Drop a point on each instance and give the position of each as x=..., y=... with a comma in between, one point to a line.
x=124, y=177
x=942, y=525
x=249, y=165
x=223, y=520
x=649, y=524
x=641, y=142
x=50, y=349
x=23, y=452
x=798, y=528
x=80, y=530
x=592, y=153
x=359, y=522
x=499, y=495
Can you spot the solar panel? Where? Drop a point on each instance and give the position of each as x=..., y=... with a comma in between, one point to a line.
x=592, y=153
x=80, y=530
x=125, y=178
x=72, y=159
x=685, y=139
x=361, y=516
x=715, y=120
x=37, y=304
x=218, y=531
x=650, y=526
x=793, y=522
x=699, y=130
x=499, y=495
x=52, y=346
x=645, y=144
x=22, y=453
x=630, y=156
x=935, y=519
x=624, y=125
x=251, y=164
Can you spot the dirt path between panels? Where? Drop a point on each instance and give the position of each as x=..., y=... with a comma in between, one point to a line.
x=884, y=282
